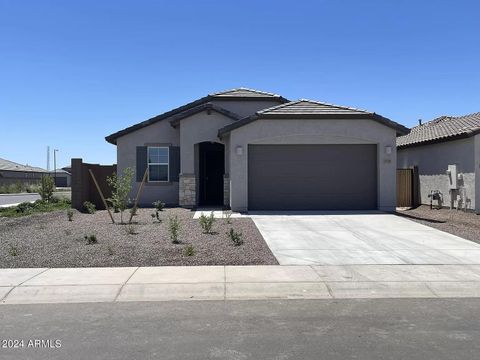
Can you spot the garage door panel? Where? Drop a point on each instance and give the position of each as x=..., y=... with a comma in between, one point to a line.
x=312, y=177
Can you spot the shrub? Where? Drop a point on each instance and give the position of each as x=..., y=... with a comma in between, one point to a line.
x=206, y=222
x=236, y=237
x=70, y=214
x=91, y=239
x=130, y=229
x=89, y=207
x=25, y=207
x=189, y=250
x=110, y=250
x=12, y=250
x=159, y=206
x=121, y=187
x=46, y=188
x=174, y=229
x=227, y=215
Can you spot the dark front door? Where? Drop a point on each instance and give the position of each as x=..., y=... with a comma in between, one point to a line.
x=212, y=168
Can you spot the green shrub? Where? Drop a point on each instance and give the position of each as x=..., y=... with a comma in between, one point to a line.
x=110, y=250
x=206, y=222
x=12, y=250
x=70, y=214
x=121, y=186
x=89, y=207
x=227, y=215
x=130, y=229
x=91, y=239
x=189, y=250
x=236, y=237
x=174, y=229
x=26, y=207
x=47, y=187
x=159, y=206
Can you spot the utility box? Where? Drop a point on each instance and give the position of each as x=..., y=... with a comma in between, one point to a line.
x=452, y=177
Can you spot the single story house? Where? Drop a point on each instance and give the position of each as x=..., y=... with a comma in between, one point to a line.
x=62, y=177
x=13, y=173
x=446, y=152
x=252, y=150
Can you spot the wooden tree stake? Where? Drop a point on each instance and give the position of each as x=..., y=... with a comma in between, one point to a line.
x=139, y=192
x=101, y=195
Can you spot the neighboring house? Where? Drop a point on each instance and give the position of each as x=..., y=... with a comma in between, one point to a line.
x=252, y=150
x=12, y=173
x=62, y=177
x=433, y=146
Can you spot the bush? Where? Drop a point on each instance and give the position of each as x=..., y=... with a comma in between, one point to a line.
x=91, y=239
x=46, y=189
x=174, y=229
x=236, y=237
x=158, y=207
x=206, y=222
x=12, y=250
x=227, y=215
x=189, y=250
x=130, y=229
x=70, y=214
x=89, y=207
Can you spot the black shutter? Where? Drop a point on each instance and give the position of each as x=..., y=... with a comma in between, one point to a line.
x=141, y=162
x=174, y=162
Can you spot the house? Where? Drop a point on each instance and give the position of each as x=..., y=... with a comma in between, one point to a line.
x=253, y=150
x=13, y=173
x=439, y=149
x=62, y=177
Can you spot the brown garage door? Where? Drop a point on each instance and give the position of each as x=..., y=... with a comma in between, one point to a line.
x=312, y=177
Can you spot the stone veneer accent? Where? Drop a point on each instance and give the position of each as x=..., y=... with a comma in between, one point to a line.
x=187, y=190
x=226, y=190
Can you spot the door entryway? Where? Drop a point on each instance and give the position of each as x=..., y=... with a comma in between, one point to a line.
x=211, y=171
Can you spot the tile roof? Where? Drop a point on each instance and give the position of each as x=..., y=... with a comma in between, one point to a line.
x=13, y=166
x=443, y=128
x=309, y=109
x=244, y=92
x=304, y=106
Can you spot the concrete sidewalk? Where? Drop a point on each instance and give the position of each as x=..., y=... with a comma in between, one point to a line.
x=22, y=286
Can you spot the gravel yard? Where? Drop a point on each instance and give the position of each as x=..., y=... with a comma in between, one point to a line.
x=465, y=225
x=50, y=240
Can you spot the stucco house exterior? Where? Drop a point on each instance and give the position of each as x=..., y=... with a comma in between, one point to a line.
x=446, y=152
x=253, y=150
x=13, y=173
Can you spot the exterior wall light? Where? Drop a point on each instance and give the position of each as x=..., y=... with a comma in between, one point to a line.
x=388, y=149
x=239, y=150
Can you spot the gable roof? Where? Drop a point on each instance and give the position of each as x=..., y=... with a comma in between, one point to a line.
x=13, y=166
x=233, y=94
x=443, y=128
x=175, y=119
x=310, y=109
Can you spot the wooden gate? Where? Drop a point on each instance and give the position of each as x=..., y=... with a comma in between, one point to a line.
x=405, y=191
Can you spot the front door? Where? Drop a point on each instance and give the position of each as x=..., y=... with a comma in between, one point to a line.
x=212, y=168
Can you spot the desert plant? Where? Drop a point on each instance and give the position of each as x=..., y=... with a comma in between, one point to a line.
x=130, y=229
x=91, y=239
x=89, y=207
x=189, y=250
x=206, y=222
x=110, y=250
x=13, y=249
x=158, y=208
x=46, y=188
x=70, y=214
x=68, y=232
x=174, y=229
x=227, y=215
x=236, y=237
x=121, y=186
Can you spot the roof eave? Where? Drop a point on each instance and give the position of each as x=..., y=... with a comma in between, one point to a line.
x=464, y=135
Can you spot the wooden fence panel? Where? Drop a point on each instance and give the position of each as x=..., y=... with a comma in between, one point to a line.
x=405, y=188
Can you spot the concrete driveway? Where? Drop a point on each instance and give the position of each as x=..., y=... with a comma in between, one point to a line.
x=359, y=238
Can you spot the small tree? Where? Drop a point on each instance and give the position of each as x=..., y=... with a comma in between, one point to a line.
x=121, y=187
x=46, y=188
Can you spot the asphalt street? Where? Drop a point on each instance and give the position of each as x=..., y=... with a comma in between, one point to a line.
x=17, y=198
x=293, y=329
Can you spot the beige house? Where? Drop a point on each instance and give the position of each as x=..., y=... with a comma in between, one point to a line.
x=252, y=150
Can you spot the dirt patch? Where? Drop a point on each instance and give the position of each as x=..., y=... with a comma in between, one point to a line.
x=465, y=225
x=50, y=240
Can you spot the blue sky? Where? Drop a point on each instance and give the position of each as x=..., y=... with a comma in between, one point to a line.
x=72, y=72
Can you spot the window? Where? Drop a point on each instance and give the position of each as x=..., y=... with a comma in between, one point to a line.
x=158, y=164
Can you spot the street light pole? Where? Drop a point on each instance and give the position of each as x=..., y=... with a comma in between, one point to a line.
x=55, y=166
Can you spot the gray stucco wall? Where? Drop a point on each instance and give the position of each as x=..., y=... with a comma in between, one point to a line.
x=160, y=133
x=286, y=131
x=433, y=160
x=477, y=171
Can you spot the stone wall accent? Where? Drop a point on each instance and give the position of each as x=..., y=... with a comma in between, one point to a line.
x=226, y=190
x=187, y=190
